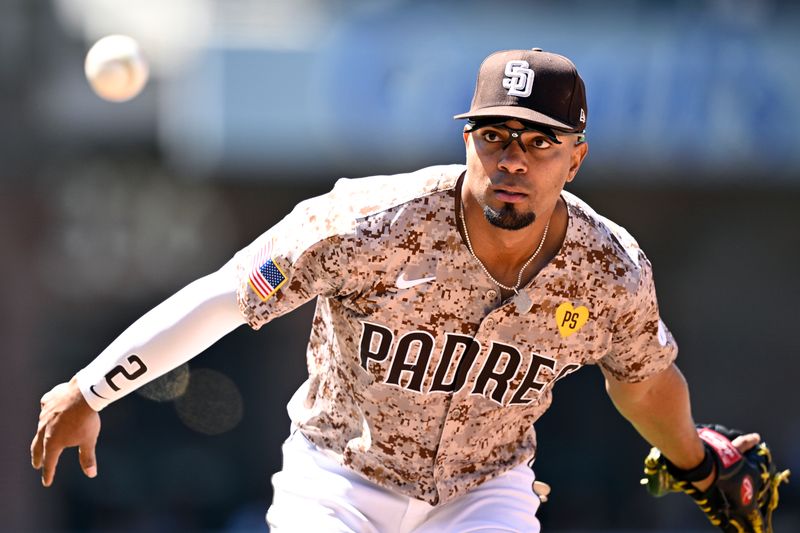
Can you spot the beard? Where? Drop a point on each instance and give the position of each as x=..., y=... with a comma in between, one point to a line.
x=507, y=217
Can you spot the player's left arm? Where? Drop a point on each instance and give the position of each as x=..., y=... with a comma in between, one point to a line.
x=659, y=408
x=728, y=473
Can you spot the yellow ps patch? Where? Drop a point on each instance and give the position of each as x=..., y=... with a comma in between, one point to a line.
x=569, y=319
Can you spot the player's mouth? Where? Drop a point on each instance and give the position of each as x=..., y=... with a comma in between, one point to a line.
x=509, y=195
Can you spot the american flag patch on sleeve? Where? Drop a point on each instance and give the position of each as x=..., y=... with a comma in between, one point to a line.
x=266, y=277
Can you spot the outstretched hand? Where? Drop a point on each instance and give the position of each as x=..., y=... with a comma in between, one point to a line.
x=65, y=421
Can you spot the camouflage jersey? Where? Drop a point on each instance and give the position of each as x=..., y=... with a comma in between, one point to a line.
x=421, y=378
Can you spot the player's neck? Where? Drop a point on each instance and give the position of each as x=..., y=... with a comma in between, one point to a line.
x=505, y=252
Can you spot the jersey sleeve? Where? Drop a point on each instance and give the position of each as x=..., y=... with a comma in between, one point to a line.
x=296, y=260
x=165, y=337
x=641, y=344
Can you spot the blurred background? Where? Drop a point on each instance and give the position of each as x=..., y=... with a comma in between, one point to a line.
x=106, y=209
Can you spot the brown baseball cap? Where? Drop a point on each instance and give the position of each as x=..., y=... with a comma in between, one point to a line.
x=533, y=85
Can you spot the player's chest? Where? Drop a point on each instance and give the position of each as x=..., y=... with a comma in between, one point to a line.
x=427, y=331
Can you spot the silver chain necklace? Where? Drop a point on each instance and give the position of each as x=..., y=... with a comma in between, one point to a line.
x=522, y=300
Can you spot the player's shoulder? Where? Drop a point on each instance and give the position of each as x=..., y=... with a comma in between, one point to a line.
x=603, y=235
x=354, y=203
x=364, y=197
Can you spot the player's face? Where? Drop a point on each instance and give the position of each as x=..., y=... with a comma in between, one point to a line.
x=513, y=185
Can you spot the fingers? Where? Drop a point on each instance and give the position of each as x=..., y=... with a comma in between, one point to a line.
x=45, y=453
x=37, y=448
x=65, y=421
x=88, y=460
x=746, y=442
x=37, y=444
x=52, y=451
x=542, y=490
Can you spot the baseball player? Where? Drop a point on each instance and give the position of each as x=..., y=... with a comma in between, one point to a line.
x=449, y=303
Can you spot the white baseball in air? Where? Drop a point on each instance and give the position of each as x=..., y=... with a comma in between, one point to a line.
x=116, y=68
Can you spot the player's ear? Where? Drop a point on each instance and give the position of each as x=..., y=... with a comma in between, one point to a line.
x=579, y=153
x=467, y=141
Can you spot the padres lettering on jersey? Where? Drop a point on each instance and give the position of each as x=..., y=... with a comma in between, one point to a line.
x=501, y=366
x=420, y=377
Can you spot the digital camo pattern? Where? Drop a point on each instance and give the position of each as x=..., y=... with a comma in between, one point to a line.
x=431, y=386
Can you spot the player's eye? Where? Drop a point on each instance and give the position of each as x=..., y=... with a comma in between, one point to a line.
x=491, y=136
x=540, y=143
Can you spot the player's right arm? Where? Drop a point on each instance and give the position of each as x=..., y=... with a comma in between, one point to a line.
x=304, y=254
x=167, y=336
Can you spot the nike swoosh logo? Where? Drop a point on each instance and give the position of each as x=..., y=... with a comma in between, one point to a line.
x=95, y=392
x=405, y=283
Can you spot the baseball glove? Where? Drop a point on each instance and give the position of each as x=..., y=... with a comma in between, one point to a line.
x=745, y=490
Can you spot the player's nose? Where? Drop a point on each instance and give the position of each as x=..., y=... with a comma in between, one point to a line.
x=512, y=159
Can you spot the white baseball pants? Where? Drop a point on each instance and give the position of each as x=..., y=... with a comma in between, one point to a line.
x=314, y=493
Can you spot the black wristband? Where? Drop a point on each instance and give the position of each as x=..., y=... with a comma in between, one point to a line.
x=698, y=473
